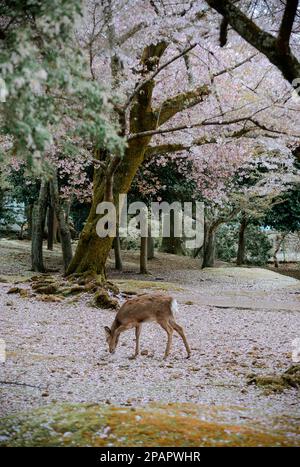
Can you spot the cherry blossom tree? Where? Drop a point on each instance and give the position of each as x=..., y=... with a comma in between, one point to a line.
x=250, y=181
x=176, y=91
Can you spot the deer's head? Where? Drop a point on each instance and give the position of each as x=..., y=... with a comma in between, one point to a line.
x=112, y=343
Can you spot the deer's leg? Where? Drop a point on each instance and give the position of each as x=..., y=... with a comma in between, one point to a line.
x=169, y=331
x=180, y=331
x=137, y=339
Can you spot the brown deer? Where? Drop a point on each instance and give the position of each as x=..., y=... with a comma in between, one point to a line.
x=138, y=310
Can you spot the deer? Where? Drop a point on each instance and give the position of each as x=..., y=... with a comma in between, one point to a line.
x=140, y=309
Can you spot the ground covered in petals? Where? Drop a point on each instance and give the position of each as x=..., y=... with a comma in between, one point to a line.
x=240, y=323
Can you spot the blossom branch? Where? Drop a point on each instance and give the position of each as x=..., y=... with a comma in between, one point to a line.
x=156, y=72
x=209, y=123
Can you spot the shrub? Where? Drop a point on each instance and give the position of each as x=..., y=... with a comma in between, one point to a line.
x=258, y=245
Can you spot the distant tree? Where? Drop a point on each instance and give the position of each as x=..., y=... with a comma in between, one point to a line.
x=285, y=216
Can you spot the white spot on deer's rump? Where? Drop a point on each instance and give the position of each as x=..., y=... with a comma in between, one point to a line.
x=174, y=306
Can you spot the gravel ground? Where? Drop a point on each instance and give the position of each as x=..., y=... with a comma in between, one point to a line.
x=57, y=351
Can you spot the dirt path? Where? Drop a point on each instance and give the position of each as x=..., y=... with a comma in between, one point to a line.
x=238, y=321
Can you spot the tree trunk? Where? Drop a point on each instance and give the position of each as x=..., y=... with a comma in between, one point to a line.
x=65, y=235
x=117, y=249
x=150, y=245
x=50, y=227
x=38, y=224
x=209, y=247
x=55, y=229
x=242, y=241
x=171, y=244
x=28, y=213
x=143, y=255
x=279, y=239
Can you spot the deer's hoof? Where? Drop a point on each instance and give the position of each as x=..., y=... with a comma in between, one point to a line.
x=188, y=356
x=132, y=357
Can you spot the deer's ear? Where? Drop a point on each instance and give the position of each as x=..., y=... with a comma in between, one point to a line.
x=107, y=330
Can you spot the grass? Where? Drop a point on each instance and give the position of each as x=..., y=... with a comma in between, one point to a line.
x=132, y=285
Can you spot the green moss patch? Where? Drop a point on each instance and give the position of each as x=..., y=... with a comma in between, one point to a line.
x=97, y=425
x=56, y=289
x=278, y=383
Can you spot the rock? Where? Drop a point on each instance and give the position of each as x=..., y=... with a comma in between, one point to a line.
x=74, y=289
x=50, y=298
x=102, y=299
x=24, y=293
x=277, y=383
x=14, y=290
x=47, y=289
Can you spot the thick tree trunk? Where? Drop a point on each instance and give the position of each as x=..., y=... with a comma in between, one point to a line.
x=65, y=235
x=172, y=244
x=150, y=245
x=210, y=230
x=209, y=247
x=143, y=255
x=118, y=255
x=240, y=259
x=38, y=224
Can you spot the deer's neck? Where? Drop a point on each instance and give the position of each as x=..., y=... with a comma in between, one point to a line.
x=114, y=326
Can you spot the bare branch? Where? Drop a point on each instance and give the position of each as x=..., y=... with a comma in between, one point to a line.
x=178, y=147
x=233, y=67
x=127, y=35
